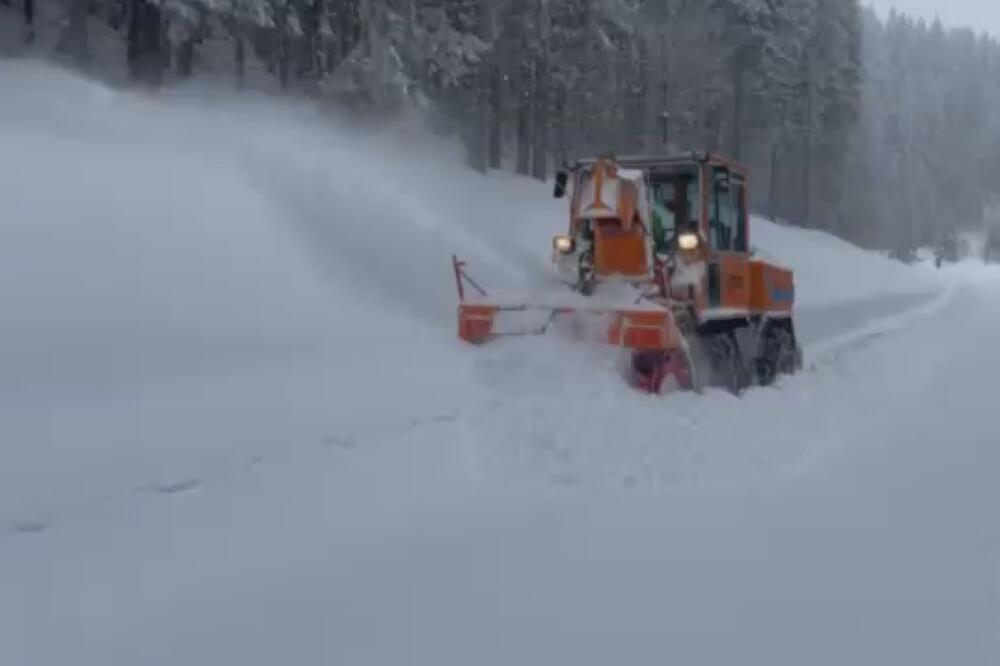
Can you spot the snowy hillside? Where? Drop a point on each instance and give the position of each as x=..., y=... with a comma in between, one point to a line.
x=237, y=426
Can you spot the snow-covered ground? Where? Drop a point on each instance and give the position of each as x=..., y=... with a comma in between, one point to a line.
x=236, y=427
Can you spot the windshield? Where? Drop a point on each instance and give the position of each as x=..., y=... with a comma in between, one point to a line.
x=674, y=201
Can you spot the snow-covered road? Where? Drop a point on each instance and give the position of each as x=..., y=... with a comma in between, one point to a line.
x=881, y=546
x=885, y=549
x=233, y=432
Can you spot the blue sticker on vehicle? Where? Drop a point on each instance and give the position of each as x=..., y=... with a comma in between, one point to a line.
x=782, y=295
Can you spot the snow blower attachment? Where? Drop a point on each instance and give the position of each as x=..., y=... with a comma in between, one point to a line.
x=657, y=257
x=649, y=331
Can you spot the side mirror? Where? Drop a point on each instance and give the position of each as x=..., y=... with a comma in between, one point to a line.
x=560, y=189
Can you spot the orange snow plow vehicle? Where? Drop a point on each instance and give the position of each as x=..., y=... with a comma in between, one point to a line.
x=656, y=261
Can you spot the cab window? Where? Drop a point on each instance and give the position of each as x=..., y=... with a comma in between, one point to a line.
x=727, y=218
x=693, y=202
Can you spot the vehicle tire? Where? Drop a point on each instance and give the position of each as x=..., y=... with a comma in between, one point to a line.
x=726, y=363
x=766, y=364
x=778, y=356
x=786, y=362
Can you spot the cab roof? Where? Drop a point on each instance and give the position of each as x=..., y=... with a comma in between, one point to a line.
x=653, y=163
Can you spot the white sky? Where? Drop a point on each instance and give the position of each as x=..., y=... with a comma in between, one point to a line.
x=983, y=15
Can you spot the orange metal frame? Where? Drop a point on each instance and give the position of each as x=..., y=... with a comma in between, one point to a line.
x=633, y=329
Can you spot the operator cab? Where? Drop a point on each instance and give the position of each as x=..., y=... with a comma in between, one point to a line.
x=674, y=204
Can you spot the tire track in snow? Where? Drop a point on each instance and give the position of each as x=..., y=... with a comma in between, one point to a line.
x=827, y=351
x=595, y=431
x=174, y=487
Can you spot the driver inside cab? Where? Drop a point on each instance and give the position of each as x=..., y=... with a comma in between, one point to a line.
x=664, y=216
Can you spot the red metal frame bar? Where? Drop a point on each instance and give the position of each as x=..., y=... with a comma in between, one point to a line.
x=461, y=277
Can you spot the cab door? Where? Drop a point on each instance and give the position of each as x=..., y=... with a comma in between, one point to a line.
x=728, y=262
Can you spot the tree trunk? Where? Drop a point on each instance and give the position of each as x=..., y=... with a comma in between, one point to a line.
x=282, y=53
x=185, y=57
x=117, y=13
x=283, y=59
x=810, y=139
x=630, y=135
x=643, y=76
x=29, y=21
x=665, y=138
x=239, y=58
x=145, y=47
x=739, y=80
x=542, y=101
x=313, y=55
x=634, y=75
x=807, y=165
x=496, y=119
x=323, y=60
x=478, y=127
x=479, y=156
x=332, y=51
x=524, y=119
x=772, y=198
x=561, y=133
x=540, y=126
x=73, y=41
x=350, y=28
x=711, y=125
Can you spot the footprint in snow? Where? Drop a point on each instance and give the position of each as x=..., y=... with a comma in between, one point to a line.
x=30, y=527
x=449, y=417
x=340, y=443
x=177, y=487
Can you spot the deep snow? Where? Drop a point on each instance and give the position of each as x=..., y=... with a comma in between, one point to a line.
x=237, y=428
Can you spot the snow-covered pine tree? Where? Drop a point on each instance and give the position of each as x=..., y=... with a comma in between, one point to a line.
x=883, y=131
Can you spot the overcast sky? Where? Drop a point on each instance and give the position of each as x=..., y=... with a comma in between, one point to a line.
x=980, y=14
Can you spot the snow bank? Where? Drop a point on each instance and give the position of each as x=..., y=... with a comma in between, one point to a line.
x=830, y=271
x=168, y=309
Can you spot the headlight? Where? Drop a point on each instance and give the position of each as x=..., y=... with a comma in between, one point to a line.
x=688, y=241
x=564, y=244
